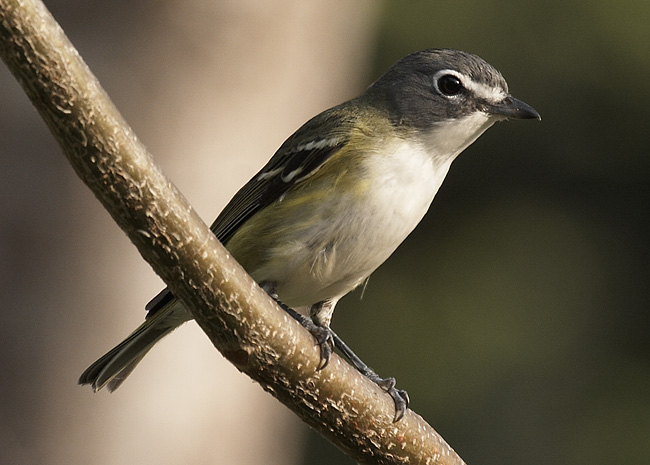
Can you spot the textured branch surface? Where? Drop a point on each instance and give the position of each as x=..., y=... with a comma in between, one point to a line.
x=243, y=323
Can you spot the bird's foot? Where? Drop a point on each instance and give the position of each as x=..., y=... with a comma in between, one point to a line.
x=324, y=340
x=327, y=340
x=323, y=335
x=400, y=396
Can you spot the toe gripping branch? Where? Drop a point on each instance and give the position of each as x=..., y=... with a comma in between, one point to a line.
x=399, y=396
x=328, y=339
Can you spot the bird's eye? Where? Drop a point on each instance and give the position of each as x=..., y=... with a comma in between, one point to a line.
x=449, y=85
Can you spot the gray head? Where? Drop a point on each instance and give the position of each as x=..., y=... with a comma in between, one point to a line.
x=442, y=85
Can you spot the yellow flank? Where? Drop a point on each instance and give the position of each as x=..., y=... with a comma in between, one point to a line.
x=303, y=208
x=307, y=241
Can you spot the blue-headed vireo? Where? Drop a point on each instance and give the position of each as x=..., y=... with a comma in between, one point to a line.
x=340, y=195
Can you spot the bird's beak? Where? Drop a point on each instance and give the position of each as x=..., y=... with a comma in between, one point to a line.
x=511, y=107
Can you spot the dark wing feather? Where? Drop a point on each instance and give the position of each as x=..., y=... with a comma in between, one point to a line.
x=297, y=159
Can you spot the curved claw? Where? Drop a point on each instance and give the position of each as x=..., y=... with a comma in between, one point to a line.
x=323, y=335
x=325, y=341
x=399, y=396
x=401, y=399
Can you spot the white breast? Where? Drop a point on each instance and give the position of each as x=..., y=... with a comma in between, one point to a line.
x=341, y=241
x=361, y=231
x=405, y=183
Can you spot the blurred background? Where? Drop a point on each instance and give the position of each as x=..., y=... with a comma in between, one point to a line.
x=516, y=315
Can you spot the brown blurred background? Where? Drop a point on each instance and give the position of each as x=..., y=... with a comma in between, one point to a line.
x=517, y=315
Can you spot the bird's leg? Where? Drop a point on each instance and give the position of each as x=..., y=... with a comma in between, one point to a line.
x=323, y=335
x=318, y=326
x=399, y=396
x=321, y=315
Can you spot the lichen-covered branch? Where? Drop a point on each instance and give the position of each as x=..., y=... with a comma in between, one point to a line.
x=243, y=323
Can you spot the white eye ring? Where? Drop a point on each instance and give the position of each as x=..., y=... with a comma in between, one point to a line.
x=492, y=94
x=448, y=83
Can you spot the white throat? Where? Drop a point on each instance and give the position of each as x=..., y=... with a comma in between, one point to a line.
x=447, y=139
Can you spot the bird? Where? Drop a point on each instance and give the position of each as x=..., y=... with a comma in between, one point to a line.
x=340, y=195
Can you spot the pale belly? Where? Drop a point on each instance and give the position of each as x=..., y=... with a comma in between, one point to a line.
x=337, y=245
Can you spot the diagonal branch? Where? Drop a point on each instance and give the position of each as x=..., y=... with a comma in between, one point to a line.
x=242, y=322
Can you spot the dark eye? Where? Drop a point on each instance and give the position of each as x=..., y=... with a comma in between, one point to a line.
x=449, y=85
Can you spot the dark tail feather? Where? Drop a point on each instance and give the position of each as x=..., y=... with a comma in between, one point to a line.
x=112, y=369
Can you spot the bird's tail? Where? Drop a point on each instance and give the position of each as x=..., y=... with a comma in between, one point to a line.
x=112, y=368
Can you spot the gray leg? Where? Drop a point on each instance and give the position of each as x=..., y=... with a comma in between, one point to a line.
x=319, y=326
x=400, y=396
x=322, y=334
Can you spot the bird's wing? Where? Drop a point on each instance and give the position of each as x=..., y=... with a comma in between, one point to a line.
x=299, y=157
x=296, y=160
